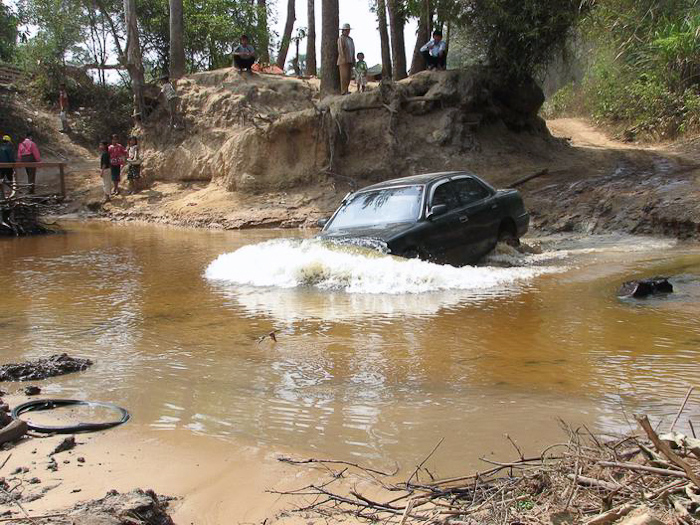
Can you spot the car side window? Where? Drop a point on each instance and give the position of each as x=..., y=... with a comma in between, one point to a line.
x=470, y=191
x=446, y=193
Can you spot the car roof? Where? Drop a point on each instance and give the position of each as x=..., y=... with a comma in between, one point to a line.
x=415, y=180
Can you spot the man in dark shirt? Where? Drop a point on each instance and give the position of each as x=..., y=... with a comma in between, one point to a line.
x=7, y=175
x=105, y=169
x=244, y=55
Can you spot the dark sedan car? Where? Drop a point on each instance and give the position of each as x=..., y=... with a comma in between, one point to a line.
x=451, y=217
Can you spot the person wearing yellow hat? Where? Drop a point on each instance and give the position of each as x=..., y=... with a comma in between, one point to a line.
x=7, y=175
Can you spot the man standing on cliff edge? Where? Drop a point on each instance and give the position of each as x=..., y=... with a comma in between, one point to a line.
x=346, y=58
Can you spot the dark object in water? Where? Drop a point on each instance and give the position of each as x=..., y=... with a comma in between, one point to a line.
x=49, y=404
x=42, y=368
x=645, y=287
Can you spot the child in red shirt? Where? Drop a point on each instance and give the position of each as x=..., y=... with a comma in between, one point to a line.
x=117, y=158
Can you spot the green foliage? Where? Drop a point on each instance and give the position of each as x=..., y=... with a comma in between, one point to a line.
x=645, y=72
x=8, y=33
x=520, y=37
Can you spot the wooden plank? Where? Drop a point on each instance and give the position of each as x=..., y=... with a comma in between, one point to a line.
x=32, y=164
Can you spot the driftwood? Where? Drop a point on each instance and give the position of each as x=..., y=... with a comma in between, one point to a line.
x=13, y=431
x=583, y=478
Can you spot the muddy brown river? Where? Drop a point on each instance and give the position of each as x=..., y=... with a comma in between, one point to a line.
x=376, y=358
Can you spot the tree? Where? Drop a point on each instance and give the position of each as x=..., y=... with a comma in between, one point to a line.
x=330, y=22
x=287, y=35
x=264, y=32
x=311, y=40
x=134, y=62
x=521, y=37
x=8, y=33
x=384, y=38
x=398, y=47
x=177, y=44
x=425, y=23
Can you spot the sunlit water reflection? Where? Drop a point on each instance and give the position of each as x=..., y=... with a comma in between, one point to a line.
x=376, y=357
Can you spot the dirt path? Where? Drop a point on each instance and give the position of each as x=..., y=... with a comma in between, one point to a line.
x=601, y=185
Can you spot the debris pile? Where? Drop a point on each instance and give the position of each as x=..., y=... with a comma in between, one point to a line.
x=43, y=368
x=637, y=480
x=22, y=216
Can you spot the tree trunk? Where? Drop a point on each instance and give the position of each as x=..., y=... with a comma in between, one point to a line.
x=177, y=43
x=384, y=37
x=287, y=36
x=398, y=46
x=264, y=31
x=134, y=64
x=422, y=36
x=330, y=22
x=311, y=40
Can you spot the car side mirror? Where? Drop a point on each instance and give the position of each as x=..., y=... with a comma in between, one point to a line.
x=437, y=210
x=322, y=222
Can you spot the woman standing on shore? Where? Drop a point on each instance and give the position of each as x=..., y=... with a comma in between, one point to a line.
x=117, y=158
x=133, y=161
x=28, y=151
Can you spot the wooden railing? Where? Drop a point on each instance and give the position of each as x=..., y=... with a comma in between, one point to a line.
x=60, y=165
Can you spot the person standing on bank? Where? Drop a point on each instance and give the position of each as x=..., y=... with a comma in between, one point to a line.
x=172, y=99
x=28, y=151
x=244, y=55
x=63, y=108
x=117, y=158
x=105, y=170
x=435, y=52
x=346, y=58
x=7, y=175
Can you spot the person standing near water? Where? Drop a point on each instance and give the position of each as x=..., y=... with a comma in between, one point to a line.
x=133, y=162
x=117, y=158
x=105, y=169
x=346, y=58
x=7, y=175
x=28, y=151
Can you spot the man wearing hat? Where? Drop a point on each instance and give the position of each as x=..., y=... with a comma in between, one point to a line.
x=346, y=58
x=7, y=175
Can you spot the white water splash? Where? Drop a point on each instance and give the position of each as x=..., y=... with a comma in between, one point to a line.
x=313, y=263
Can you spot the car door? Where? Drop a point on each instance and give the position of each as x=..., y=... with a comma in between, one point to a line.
x=445, y=235
x=479, y=217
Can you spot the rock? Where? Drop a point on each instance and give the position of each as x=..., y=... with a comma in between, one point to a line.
x=52, y=465
x=67, y=444
x=645, y=287
x=120, y=509
x=34, y=481
x=32, y=390
x=42, y=368
x=81, y=459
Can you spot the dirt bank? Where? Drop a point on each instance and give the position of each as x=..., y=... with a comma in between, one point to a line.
x=266, y=151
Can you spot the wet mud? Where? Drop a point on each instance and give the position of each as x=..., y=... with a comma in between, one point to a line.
x=43, y=368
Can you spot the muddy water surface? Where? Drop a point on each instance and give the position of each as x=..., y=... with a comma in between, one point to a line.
x=375, y=358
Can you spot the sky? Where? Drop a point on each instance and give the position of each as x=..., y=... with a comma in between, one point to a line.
x=357, y=13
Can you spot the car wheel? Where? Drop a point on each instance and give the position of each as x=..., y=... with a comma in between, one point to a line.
x=508, y=235
x=411, y=253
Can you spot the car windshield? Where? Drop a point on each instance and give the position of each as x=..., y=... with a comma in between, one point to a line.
x=379, y=207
